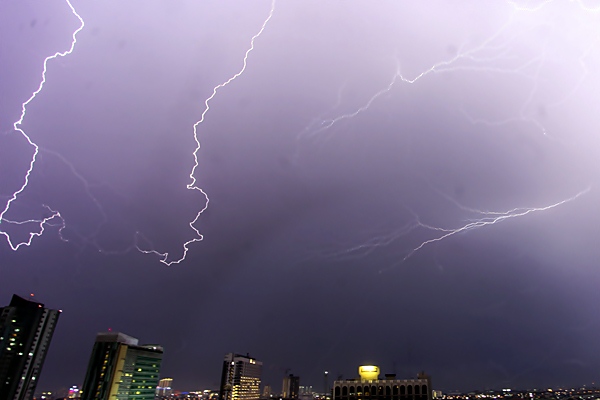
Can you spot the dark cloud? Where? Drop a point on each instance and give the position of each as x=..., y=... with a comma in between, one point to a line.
x=357, y=133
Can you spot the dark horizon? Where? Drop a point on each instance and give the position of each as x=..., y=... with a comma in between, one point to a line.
x=408, y=185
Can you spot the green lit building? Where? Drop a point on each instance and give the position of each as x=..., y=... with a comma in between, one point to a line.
x=120, y=369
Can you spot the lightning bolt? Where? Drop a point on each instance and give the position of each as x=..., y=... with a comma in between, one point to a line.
x=89, y=239
x=438, y=67
x=491, y=218
x=164, y=257
x=328, y=123
x=41, y=223
x=477, y=56
x=486, y=218
x=497, y=47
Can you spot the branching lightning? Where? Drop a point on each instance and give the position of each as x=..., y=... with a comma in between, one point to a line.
x=40, y=223
x=480, y=62
x=164, y=257
x=491, y=218
x=328, y=123
x=484, y=218
x=481, y=58
x=496, y=47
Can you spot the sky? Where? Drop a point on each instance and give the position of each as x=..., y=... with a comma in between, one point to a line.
x=319, y=184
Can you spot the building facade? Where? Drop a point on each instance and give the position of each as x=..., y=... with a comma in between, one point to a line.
x=120, y=369
x=240, y=378
x=26, y=329
x=369, y=387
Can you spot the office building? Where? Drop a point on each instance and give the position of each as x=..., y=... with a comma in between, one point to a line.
x=26, y=328
x=240, y=378
x=369, y=387
x=165, y=387
x=120, y=369
x=291, y=387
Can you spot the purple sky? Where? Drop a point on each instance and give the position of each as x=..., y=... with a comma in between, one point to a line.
x=407, y=184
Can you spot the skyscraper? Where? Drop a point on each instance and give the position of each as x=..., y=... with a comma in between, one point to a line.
x=120, y=369
x=291, y=387
x=240, y=378
x=26, y=328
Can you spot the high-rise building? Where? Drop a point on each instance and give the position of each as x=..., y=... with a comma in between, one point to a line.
x=291, y=387
x=120, y=369
x=26, y=328
x=369, y=387
x=240, y=378
x=165, y=387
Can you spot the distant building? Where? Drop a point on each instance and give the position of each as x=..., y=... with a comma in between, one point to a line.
x=291, y=387
x=306, y=393
x=26, y=328
x=267, y=392
x=369, y=387
x=73, y=392
x=165, y=387
x=240, y=378
x=306, y=390
x=120, y=369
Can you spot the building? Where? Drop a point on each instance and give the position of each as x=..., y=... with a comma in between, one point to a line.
x=240, y=378
x=291, y=387
x=165, y=387
x=120, y=369
x=308, y=390
x=369, y=387
x=306, y=393
x=267, y=392
x=26, y=328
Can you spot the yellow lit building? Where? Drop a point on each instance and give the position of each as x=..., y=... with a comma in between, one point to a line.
x=369, y=387
x=240, y=378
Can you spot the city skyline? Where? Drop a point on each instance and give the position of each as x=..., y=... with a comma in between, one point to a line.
x=413, y=185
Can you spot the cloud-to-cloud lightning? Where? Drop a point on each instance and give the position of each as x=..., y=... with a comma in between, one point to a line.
x=40, y=223
x=164, y=257
x=484, y=218
x=483, y=57
x=478, y=58
x=491, y=54
x=490, y=218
